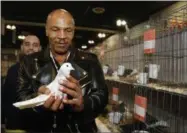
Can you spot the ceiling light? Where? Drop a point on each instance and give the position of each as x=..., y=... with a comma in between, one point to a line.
x=13, y=27
x=123, y=22
x=21, y=37
x=98, y=10
x=91, y=42
x=118, y=22
x=8, y=27
x=83, y=46
x=100, y=35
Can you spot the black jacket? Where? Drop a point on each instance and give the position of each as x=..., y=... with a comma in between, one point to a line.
x=12, y=117
x=38, y=69
x=9, y=89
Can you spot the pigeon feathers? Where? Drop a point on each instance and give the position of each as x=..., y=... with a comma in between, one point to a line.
x=63, y=72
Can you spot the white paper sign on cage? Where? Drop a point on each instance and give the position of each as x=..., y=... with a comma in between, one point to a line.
x=105, y=69
x=149, y=41
x=140, y=108
x=121, y=70
x=142, y=78
x=115, y=117
x=153, y=71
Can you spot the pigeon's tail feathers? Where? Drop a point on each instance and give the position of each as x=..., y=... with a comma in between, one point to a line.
x=37, y=101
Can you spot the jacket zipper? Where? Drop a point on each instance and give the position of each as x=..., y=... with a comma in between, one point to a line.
x=69, y=128
x=54, y=122
x=77, y=127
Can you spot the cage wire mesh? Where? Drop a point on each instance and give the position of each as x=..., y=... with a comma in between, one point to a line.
x=167, y=94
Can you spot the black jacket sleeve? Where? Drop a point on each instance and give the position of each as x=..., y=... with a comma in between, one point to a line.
x=27, y=87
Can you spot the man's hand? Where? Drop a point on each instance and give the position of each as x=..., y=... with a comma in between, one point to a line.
x=51, y=103
x=71, y=87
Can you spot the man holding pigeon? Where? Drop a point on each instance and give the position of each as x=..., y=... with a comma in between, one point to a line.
x=83, y=99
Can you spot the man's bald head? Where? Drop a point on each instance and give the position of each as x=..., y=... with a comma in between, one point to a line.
x=60, y=28
x=60, y=13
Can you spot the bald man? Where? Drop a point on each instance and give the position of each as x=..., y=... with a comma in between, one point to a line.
x=77, y=112
x=30, y=44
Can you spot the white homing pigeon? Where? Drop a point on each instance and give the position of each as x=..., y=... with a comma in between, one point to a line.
x=63, y=72
x=54, y=87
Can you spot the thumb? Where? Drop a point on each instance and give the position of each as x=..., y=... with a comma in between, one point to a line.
x=43, y=90
x=47, y=91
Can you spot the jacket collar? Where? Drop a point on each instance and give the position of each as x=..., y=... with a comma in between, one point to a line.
x=46, y=54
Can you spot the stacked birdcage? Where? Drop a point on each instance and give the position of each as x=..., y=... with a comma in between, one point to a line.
x=166, y=66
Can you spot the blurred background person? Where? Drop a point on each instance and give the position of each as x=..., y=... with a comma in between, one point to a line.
x=12, y=119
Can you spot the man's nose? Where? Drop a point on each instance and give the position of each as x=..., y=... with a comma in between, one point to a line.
x=62, y=34
x=31, y=47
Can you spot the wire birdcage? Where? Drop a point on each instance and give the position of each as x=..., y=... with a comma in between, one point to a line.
x=167, y=94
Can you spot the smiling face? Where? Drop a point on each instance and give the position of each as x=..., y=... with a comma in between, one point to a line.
x=30, y=45
x=60, y=31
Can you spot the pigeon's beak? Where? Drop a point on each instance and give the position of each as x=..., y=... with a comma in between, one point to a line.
x=72, y=68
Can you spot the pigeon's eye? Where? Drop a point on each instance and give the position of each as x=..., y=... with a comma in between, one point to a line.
x=67, y=65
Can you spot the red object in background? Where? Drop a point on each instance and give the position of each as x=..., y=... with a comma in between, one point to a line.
x=115, y=92
x=140, y=108
x=149, y=35
x=149, y=41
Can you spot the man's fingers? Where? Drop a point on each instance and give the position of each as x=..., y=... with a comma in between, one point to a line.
x=71, y=79
x=56, y=104
x=49, y=102
x=71, y=102
x=70, y=92
x=47, y=91
x=71, y=85
x=61, y=106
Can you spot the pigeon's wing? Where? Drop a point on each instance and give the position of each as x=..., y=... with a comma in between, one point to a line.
x=32, y=102
x=50, y=86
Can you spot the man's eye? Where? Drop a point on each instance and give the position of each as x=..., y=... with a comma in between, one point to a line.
x=36, y=45
x=26, y=44
x=55, y=29
x=69, y=30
